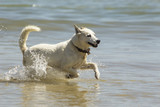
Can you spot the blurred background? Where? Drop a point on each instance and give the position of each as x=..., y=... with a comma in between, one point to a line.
x=128, y=56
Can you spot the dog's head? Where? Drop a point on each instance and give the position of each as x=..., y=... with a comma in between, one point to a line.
x=86, y=37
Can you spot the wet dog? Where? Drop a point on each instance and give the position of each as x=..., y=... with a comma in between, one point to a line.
x=69, y=56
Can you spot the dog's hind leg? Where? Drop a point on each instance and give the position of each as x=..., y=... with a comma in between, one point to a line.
x=91, y=66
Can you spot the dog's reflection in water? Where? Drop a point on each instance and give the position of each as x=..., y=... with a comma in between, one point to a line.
x=56, y=93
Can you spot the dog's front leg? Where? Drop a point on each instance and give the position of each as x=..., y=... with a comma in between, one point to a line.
x=91, y=66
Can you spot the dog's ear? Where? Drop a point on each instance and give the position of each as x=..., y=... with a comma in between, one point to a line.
x=77, y=29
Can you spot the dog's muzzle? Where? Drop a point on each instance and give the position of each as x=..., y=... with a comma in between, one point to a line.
x=95, y=45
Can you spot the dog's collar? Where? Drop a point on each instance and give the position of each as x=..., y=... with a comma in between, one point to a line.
x=81, y=50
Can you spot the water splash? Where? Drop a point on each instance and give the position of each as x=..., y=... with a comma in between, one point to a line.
x=16, y=73
x=2, y=28
x=37, y=72
x=39, y=65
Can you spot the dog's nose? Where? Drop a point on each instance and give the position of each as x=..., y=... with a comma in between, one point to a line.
x=98, y=41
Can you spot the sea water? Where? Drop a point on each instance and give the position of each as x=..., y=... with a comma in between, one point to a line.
x=127, y=57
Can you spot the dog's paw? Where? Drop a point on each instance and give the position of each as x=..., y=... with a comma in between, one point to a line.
x=97, y=75
x=68, y=76
x=71, y=76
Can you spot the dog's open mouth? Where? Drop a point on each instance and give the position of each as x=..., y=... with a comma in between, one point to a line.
x=94, y=45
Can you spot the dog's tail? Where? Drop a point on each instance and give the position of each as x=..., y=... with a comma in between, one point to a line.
x=24, y=35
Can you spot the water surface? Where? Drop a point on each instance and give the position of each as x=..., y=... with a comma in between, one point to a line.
x=128, y=56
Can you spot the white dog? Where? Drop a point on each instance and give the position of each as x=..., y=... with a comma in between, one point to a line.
x=68, y=56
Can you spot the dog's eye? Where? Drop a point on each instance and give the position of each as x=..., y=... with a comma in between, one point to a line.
x=89, y=35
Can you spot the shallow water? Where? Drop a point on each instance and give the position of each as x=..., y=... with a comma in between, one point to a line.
x=128, y=56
